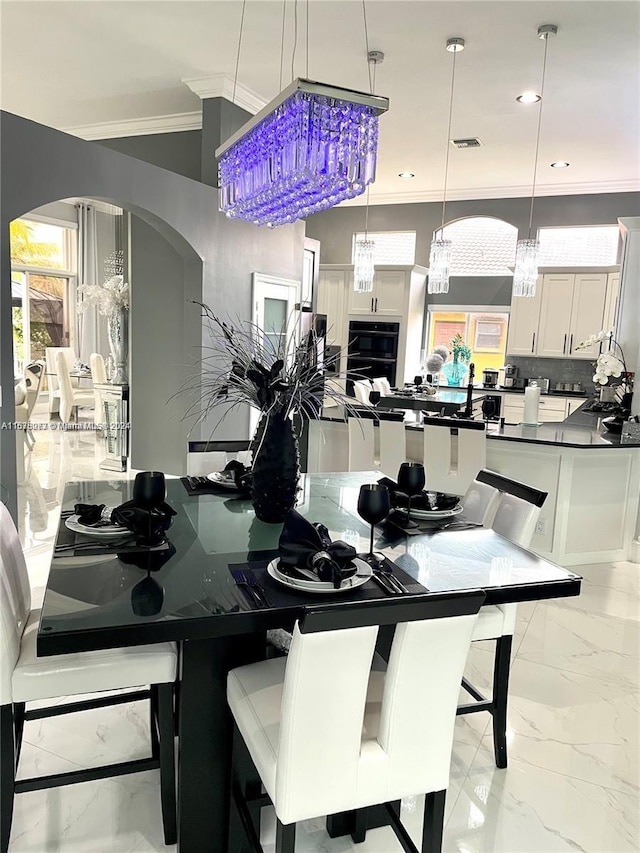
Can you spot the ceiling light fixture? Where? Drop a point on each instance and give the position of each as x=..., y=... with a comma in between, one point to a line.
x=363, y=262
x=440, y=254
x=560, y=164
x=312, y=147
x=525, y=273
x=529, y=98
x=406, y=175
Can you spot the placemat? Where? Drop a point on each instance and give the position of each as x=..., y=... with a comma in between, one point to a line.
x=212, y=489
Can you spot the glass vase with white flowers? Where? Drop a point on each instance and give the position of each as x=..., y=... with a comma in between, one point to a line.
x=112, y=301
x=610, y=363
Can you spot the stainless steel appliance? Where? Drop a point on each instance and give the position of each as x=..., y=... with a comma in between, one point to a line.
x=510, y=375
x=489, y=377
x=542, y=383
x=373, y=349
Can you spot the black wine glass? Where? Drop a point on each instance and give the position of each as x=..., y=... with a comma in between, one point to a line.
x=417, y=381
x=411, y=480
x=374, y=397
x=149, y=489
x=374, y=505
x=489, y=408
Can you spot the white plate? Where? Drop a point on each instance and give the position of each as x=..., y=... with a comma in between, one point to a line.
x=434, y=514
x=363, y=574
x=219, y=479
x=113, y=530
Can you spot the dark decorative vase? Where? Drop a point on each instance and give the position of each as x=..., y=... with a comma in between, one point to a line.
x=276, y=468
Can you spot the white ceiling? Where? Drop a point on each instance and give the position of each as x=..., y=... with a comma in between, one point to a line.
x=77, y=64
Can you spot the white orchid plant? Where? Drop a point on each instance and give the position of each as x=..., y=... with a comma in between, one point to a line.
x=608, y=364
x=108, y=297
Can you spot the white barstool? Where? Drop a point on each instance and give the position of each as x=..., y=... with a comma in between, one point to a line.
x=362, y=388
x=326, y=734
x=204, y=457
x=381, y=384
x=515, y=517
x=25, y=677
x=361, y=444
x=393, y=446
x=454, y=451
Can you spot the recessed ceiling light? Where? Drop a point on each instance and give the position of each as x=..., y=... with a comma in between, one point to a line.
x=529, y=98
x=406, y=175
x=560, y=164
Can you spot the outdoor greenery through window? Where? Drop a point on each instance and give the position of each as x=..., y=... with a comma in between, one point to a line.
x=43, y=267
x=484, y=332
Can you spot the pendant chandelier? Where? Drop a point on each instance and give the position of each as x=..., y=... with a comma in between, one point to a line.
x=363, y=261
x=312, y=147
x=440, y=254
x=525, y=273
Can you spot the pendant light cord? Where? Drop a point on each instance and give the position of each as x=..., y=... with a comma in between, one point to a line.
x=307, y=45
x=235, y=78
x=535, y=161
x=446, y=159
x=372, y=87
x=284, y=11
x=295, y=37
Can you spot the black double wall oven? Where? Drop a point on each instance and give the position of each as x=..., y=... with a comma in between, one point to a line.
x=373, y=350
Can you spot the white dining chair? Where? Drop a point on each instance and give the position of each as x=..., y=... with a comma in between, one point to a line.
x=361, y=444
x=480, y=502
x=381, y=384
x=98, y=377
x=514, y=517
x=50, y=355
x=70, y=398
x=454, y=451
x=393, y=446
x=204, y=457
x=326, y=733
x=361, y=389
x=25, y=678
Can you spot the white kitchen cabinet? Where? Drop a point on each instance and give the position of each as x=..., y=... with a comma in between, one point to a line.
x=523, y=322
x=573, y=405
x=587, y=312
x=552, y=409
x=555, y=313
x=330, y=301
x=611, y=301
x=387, y=299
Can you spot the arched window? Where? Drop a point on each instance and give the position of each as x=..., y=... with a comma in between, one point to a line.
x=481, y=245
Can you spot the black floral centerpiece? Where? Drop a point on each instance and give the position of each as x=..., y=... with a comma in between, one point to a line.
x=280, y=376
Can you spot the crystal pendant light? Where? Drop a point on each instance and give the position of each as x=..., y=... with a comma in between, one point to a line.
x=525, y=273
x=363, y=260
x=440, y=255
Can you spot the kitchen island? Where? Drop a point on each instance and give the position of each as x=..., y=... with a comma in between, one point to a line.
x=592, y=477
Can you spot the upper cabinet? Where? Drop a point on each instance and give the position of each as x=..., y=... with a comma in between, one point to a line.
x=387, y=299
x=567, y=309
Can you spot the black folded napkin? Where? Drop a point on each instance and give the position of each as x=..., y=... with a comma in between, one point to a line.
x=421, y=501
x=148, y=524
x=308, y=546
x=240, y=474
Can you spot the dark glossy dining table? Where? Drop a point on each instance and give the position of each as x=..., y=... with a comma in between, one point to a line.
x=115, y=597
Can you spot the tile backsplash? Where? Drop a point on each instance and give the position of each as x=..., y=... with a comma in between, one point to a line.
x=555, y=369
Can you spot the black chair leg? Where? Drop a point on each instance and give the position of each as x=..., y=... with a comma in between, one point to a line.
x=433, y=824
x=7, y=774
x=19, y=709
x=500, y=695
x=153, y=721
x=285, y=838
x=167, y=762
x=359, y=834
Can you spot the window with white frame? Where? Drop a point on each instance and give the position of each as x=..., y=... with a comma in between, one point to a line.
x=391, y=247
x=591, y=246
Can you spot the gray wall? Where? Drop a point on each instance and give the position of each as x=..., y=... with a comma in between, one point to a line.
x=478, y=290
x=335, y=228
x=40, y=165
x=178, y=152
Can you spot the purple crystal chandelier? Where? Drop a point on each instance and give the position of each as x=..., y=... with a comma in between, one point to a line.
x=312, y=147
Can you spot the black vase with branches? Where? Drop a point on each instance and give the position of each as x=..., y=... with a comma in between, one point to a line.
x=282, y=379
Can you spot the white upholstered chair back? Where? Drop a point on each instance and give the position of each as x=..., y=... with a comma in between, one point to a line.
x=393, y=446
x=361, y=444
x=331, y=757
x=515, y=519
x=65, y=386
x=381, y=384
x=15, y=601
x=52, y=371
x=34, y=376
x=98, y=370
x=362, y=388
x=480, y=503
x=451, y=462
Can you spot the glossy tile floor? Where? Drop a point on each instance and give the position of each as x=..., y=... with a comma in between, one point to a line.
x=572, y=782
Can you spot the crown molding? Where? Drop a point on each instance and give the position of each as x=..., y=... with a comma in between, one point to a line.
x=222, y=86
x=138, y=126
x=585, y=188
